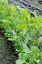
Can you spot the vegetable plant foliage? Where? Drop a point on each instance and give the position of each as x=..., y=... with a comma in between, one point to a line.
x=24, y=31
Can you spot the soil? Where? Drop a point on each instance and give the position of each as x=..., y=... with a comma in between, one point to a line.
x=6, y=51
x=34, y=2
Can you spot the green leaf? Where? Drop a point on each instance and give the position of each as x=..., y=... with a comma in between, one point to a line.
x=23, y=56
x=40, y=39
x=11, y=39
x=35, y=49
x=27, y=38
x=26, y=50
x=20, y=61
x=41, y=54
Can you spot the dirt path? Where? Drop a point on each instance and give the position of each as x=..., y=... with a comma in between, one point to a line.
x=6, y=55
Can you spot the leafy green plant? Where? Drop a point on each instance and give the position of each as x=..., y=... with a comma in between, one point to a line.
x=23, y=30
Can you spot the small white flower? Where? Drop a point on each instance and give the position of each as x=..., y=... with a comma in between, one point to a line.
x=13, y=32
x=24, y=45
x=38, y=61
x=30, y=25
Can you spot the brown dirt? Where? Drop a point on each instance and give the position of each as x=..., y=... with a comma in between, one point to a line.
x=6, y=51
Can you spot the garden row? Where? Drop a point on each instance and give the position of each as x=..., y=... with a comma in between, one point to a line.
x=24, y=31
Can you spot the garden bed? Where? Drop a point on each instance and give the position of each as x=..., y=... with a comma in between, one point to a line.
x=23, y=33
x=6, y=50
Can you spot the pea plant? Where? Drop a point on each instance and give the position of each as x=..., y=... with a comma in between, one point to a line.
x=24, y=31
